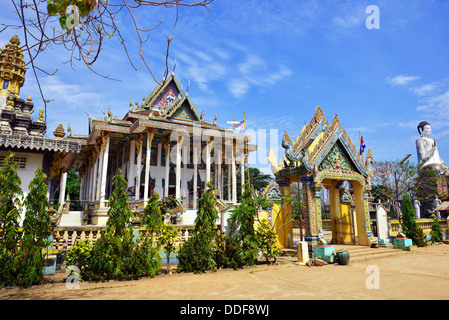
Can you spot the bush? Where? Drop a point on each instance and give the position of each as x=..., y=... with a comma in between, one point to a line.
x=409, y=224
x=436, y=232
x=268, y=241
x=116, y=255
x=198, y=253
x=244, y=216
x=80, y=256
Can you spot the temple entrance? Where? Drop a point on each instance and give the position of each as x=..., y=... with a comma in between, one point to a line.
x=323, y=155
x=342, y=211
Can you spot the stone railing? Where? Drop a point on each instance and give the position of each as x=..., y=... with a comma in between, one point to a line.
x=425, y=224
x=64, y=238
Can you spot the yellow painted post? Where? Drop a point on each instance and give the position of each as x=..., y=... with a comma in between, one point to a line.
x=362, y=222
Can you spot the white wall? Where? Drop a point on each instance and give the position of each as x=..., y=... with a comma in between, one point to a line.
x=33, y=161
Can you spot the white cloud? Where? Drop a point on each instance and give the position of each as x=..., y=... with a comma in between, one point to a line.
x=401, y=80
x=238, y=87
x=424, y=89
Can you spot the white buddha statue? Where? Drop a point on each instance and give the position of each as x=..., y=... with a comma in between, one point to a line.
x=427, y=151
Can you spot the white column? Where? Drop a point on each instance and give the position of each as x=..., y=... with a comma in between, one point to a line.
x=138, y=172
x=234, y=179
x=220, y=181
x=150, y=136
x=208, y=162
x=132, y=160
x=100, y=173
x=62, y=185
x=167, y=168
x=104, y=167
x=178, y=167
x=229, y=183
x=94, y=180
x=195, y=179
x=242, y=172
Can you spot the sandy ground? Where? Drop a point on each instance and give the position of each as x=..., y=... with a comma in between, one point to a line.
x=421, y=274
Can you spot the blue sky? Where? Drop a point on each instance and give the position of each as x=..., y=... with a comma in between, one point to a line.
x=277, y=61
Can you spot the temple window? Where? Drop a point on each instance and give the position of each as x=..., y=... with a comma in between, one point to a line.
x=5, y=84
x=21, y=161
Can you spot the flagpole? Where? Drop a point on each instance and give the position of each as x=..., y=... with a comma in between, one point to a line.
x=246, y=147
x=360, y=148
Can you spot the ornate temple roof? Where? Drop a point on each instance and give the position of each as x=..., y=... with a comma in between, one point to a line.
x=167, y=108
x=12, y=66
x=321, y=146
x=18, y=129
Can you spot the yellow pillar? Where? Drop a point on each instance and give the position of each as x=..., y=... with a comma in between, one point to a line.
x=362, y=215
x=334, y=199
x=283, y=221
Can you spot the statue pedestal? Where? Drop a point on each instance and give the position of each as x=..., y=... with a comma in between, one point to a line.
x=402, y=243
x=327, y=253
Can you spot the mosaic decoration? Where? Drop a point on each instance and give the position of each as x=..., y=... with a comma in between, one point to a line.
x=336, y=154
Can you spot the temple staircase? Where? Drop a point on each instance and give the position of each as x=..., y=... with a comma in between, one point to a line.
x=365, y=253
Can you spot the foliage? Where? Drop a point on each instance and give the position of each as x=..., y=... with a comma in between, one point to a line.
x=419, y=183
x=119, y=214
x=197, y=254
x=228, y=252
x=168, y=203
x=79, y=255
x=168, y=237
x=36, y=230
x=21, y=260
x=152, y=216
x=436, y=231
x=233, y=253
x=409, y=224
x=60, y=6
x=73, y=187
x=116, y=254
x=10, y=203
x=267, y=241
x=244, y=216
x=258, y=179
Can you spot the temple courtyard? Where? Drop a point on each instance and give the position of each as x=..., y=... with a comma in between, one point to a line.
x=377, y=274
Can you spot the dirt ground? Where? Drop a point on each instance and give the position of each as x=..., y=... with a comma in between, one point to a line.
x=420, y=274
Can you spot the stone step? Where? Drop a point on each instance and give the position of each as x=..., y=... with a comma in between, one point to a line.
x=357, y=255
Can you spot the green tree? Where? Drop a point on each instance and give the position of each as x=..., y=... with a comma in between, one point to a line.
x=197, y=254
x=73, y=187
x=117, y=254
x=10, y=203
x=267, y=239
x=119, y=214
x=10, y=208
x=168, y=237
x=36, y=231
x=152, y=216
x=409, y=224
x=436, y=231
x=244, y=217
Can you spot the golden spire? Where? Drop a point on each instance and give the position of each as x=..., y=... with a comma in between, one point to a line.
x=59, y=131
x=12, y=67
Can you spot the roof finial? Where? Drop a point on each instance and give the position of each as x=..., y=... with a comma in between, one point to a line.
x=188, y=87
x=174, y=67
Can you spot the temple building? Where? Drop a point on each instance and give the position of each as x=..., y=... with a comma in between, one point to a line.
x=23, y=135
x=161, y=145
x=323, y=156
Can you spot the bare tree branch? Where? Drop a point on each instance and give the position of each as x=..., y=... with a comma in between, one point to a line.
x=46, y=25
